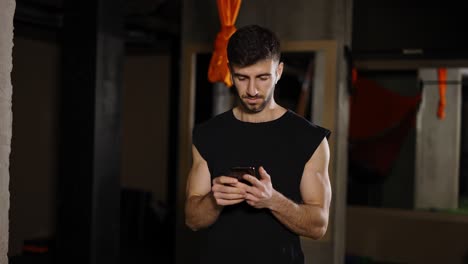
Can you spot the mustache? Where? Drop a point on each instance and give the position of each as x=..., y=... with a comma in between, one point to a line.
x=252, y=97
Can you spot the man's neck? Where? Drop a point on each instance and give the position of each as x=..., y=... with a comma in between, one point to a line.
x=269, y=113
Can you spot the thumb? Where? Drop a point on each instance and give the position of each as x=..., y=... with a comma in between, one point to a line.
x=263, y=173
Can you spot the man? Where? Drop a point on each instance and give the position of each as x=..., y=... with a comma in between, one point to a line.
x=257, y=220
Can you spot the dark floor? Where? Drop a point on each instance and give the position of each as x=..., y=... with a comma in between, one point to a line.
x=144, y=234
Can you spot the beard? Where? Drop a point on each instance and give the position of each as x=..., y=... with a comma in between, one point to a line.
x=257, y=108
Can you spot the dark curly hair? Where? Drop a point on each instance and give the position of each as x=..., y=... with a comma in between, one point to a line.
x=252, y=43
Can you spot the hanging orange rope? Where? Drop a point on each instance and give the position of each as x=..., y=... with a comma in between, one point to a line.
x=442, y=75
x=218, y=70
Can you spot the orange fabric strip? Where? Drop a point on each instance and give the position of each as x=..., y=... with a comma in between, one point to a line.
x=218, y=70
x=442, y=76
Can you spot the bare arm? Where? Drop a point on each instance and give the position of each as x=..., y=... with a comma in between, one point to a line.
x=310, y=218
x=204, y=202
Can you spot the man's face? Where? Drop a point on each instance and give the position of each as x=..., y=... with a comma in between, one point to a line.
x=256, y=83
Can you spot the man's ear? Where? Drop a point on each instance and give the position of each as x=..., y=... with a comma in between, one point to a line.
x=279, y=70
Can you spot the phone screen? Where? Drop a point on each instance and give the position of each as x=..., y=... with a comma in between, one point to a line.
x=238, y=172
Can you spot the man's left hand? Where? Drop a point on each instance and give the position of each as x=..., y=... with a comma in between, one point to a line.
x=260, y=193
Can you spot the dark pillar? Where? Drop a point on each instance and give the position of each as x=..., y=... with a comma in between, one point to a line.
x=90, y=154
x=173, y=147
x=464, y=143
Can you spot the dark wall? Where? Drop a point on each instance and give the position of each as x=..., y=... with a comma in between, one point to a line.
x=34, y=153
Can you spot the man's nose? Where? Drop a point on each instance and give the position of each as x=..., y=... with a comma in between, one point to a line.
x=251, y=89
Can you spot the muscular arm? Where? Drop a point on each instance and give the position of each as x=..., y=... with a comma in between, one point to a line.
x=201, y=209
x=310, y=218
x=205, y=201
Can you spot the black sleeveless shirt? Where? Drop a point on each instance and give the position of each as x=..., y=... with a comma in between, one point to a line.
x=243, y=234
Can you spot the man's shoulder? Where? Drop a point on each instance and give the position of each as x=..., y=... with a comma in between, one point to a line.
x=207, y=132
x=299, y=122
x=215, y=122
x=296, y=119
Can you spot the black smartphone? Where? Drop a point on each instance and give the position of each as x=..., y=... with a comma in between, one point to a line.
x=238, y=172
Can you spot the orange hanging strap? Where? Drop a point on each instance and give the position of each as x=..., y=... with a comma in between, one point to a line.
x=218, y=70
x=442, y=75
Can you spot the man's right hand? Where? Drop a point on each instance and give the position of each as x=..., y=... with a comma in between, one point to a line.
x=227, y=190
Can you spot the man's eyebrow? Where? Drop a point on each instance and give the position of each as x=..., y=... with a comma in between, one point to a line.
x=246, y=76
x=239, y=75
x=263, y=75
